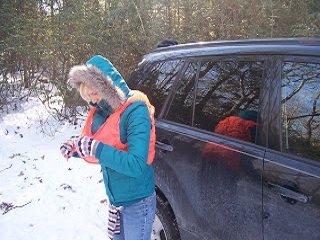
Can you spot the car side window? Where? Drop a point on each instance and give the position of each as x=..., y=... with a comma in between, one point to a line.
x=182, y=106
x=227, y=98
x=300, y=103
x=227, y=94
x=155, y=80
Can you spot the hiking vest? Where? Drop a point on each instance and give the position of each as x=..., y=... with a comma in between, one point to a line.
x=109, y=131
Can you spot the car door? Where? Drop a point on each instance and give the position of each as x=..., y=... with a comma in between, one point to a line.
x=213, y=180
x=291, y=174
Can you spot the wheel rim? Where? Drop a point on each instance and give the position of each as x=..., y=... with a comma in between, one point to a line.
x=158, y=232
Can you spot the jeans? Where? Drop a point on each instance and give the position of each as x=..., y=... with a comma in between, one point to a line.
x=137, y=219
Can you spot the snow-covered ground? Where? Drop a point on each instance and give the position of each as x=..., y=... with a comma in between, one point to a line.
x=43, y=196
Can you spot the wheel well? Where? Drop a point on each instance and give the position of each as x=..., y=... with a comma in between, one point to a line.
x=165, y=200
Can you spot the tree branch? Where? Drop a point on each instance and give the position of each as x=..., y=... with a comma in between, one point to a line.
x=6, y=168
x=11, y=207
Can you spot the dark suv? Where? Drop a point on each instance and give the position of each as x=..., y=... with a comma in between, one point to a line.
x=238, y=138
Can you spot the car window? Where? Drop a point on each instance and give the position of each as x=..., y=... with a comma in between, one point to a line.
x=301, y=109
x=227, y=93
x=155, y=80
x=182, y=106
x=227, y=99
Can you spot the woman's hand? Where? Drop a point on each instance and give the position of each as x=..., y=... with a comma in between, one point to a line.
x=67, y=149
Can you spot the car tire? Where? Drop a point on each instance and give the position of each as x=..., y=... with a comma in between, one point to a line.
x=165, y=225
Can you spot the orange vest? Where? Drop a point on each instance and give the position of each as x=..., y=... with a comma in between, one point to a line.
x=235, y=127
x=109, y=132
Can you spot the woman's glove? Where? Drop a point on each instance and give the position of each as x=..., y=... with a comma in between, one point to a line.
x=86, y=146
x=67, y=149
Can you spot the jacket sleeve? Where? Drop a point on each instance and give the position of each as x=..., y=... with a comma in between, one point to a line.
x=137, y=126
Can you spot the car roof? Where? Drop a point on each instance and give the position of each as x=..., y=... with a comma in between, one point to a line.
x=274, y=46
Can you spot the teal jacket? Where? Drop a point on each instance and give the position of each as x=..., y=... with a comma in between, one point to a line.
x=127, y=176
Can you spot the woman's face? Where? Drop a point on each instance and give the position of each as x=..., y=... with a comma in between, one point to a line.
x=93, y=95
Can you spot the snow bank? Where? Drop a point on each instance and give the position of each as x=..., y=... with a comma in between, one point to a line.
x=42, y=196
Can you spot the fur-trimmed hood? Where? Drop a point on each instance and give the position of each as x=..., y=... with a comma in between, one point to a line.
x=101, y=75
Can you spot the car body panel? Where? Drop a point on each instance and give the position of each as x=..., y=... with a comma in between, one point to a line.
x=209, y=197
x=291, y=183
x=291, y=197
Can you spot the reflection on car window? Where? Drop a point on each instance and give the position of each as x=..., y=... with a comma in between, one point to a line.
x=155, y=80
x=181, y=108
x=301, y=109
x=227, y=99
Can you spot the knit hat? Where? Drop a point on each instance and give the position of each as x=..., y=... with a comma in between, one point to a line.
x=166, y=43
x=249, y=115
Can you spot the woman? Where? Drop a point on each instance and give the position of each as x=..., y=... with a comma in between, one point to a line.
x=119, y=134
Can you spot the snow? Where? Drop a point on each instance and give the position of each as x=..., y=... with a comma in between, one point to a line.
x=43, y=196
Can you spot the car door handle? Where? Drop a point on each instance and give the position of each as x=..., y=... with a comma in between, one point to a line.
x=164, y=146
x=290, y=194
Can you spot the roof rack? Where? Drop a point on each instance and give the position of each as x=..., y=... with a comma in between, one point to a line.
x=262, y=41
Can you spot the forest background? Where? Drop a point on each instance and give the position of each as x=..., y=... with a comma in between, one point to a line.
x=41, y=39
